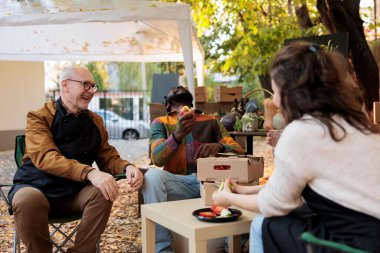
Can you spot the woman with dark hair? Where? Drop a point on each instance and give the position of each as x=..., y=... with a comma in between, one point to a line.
x=326, y=179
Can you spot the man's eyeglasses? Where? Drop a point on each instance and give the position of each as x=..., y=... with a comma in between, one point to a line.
x=86, y=85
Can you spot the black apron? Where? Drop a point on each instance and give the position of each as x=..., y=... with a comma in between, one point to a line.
x=77, y=137
x=326, y=220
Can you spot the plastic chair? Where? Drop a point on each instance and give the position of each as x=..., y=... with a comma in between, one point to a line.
x=55, y=223
x=312, y=242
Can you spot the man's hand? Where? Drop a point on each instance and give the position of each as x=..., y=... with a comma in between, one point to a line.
x=208, y=149
x=134, y=177
x=185, y=124
x=105, y=182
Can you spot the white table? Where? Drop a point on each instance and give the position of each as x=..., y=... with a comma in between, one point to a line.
x=177, y=216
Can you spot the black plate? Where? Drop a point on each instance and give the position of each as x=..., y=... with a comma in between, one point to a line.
x=235, y=215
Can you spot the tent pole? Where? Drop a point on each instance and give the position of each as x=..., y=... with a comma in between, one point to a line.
x=200, y=73
x=187, y=50
x=144, y=88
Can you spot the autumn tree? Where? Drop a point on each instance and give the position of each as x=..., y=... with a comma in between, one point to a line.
x=240, y=37
x=344, y=16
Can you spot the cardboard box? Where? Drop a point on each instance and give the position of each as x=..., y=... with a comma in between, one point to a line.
x=243, y=169
x=208, y=188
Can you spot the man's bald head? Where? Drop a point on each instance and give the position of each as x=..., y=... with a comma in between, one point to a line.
x=71, y=72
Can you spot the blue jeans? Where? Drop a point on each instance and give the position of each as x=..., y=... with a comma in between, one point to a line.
x=162, y=186
x=256, y=237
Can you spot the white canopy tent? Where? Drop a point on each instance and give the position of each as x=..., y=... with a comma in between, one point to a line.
x=114, y=30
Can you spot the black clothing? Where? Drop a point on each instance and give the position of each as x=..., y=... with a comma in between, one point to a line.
x=326, y=220
x=77, y=137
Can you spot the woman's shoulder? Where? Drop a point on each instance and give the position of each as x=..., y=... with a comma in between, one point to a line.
x=305, y=126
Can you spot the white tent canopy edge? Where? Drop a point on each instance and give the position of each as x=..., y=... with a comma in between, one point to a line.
x=135, y=31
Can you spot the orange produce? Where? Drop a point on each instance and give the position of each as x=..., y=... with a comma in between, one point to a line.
x=270, y=109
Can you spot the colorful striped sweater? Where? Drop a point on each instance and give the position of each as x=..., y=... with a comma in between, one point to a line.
x=179, y=158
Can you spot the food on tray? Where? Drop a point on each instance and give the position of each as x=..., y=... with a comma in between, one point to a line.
x=208, y=214
x=225, y=213
x=217, y=209
x=221, y=211
x=217, y=213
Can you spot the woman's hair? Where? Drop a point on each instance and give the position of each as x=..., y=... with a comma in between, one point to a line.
x=180, y=95
x=316, y=82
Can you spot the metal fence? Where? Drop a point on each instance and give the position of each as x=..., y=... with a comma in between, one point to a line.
x=125, y=113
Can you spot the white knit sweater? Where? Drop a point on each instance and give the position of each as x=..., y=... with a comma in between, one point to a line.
x=346, y=172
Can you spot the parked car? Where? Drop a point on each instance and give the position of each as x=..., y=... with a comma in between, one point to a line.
x=118, y=127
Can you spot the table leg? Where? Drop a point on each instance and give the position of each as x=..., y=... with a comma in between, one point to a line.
x=249, y=144
x=234, y=244
x=197, y=246
x=148, y=235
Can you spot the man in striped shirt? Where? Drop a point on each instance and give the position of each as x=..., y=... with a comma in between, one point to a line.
x=176, y=142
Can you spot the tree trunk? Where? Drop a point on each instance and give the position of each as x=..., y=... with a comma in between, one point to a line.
x=303, y=17
x=266, y=84
x=343, y=16
x=290, y=7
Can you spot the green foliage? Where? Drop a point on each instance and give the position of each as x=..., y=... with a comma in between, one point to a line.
x=100, y=74
x=129, y=75
x=240, y=37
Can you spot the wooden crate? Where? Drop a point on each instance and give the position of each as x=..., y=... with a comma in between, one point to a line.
x=229, y=90
x=201, y=95
x=227, y=94
x=157, y=110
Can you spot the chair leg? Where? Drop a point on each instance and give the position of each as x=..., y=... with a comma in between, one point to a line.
x=59, y=246
x=16, y=242
x=98, y=248
x=309, y=248
x=140, y=201
x=140, y=197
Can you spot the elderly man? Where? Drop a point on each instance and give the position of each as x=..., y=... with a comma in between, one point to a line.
x=176, y=142
x=63, y=139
